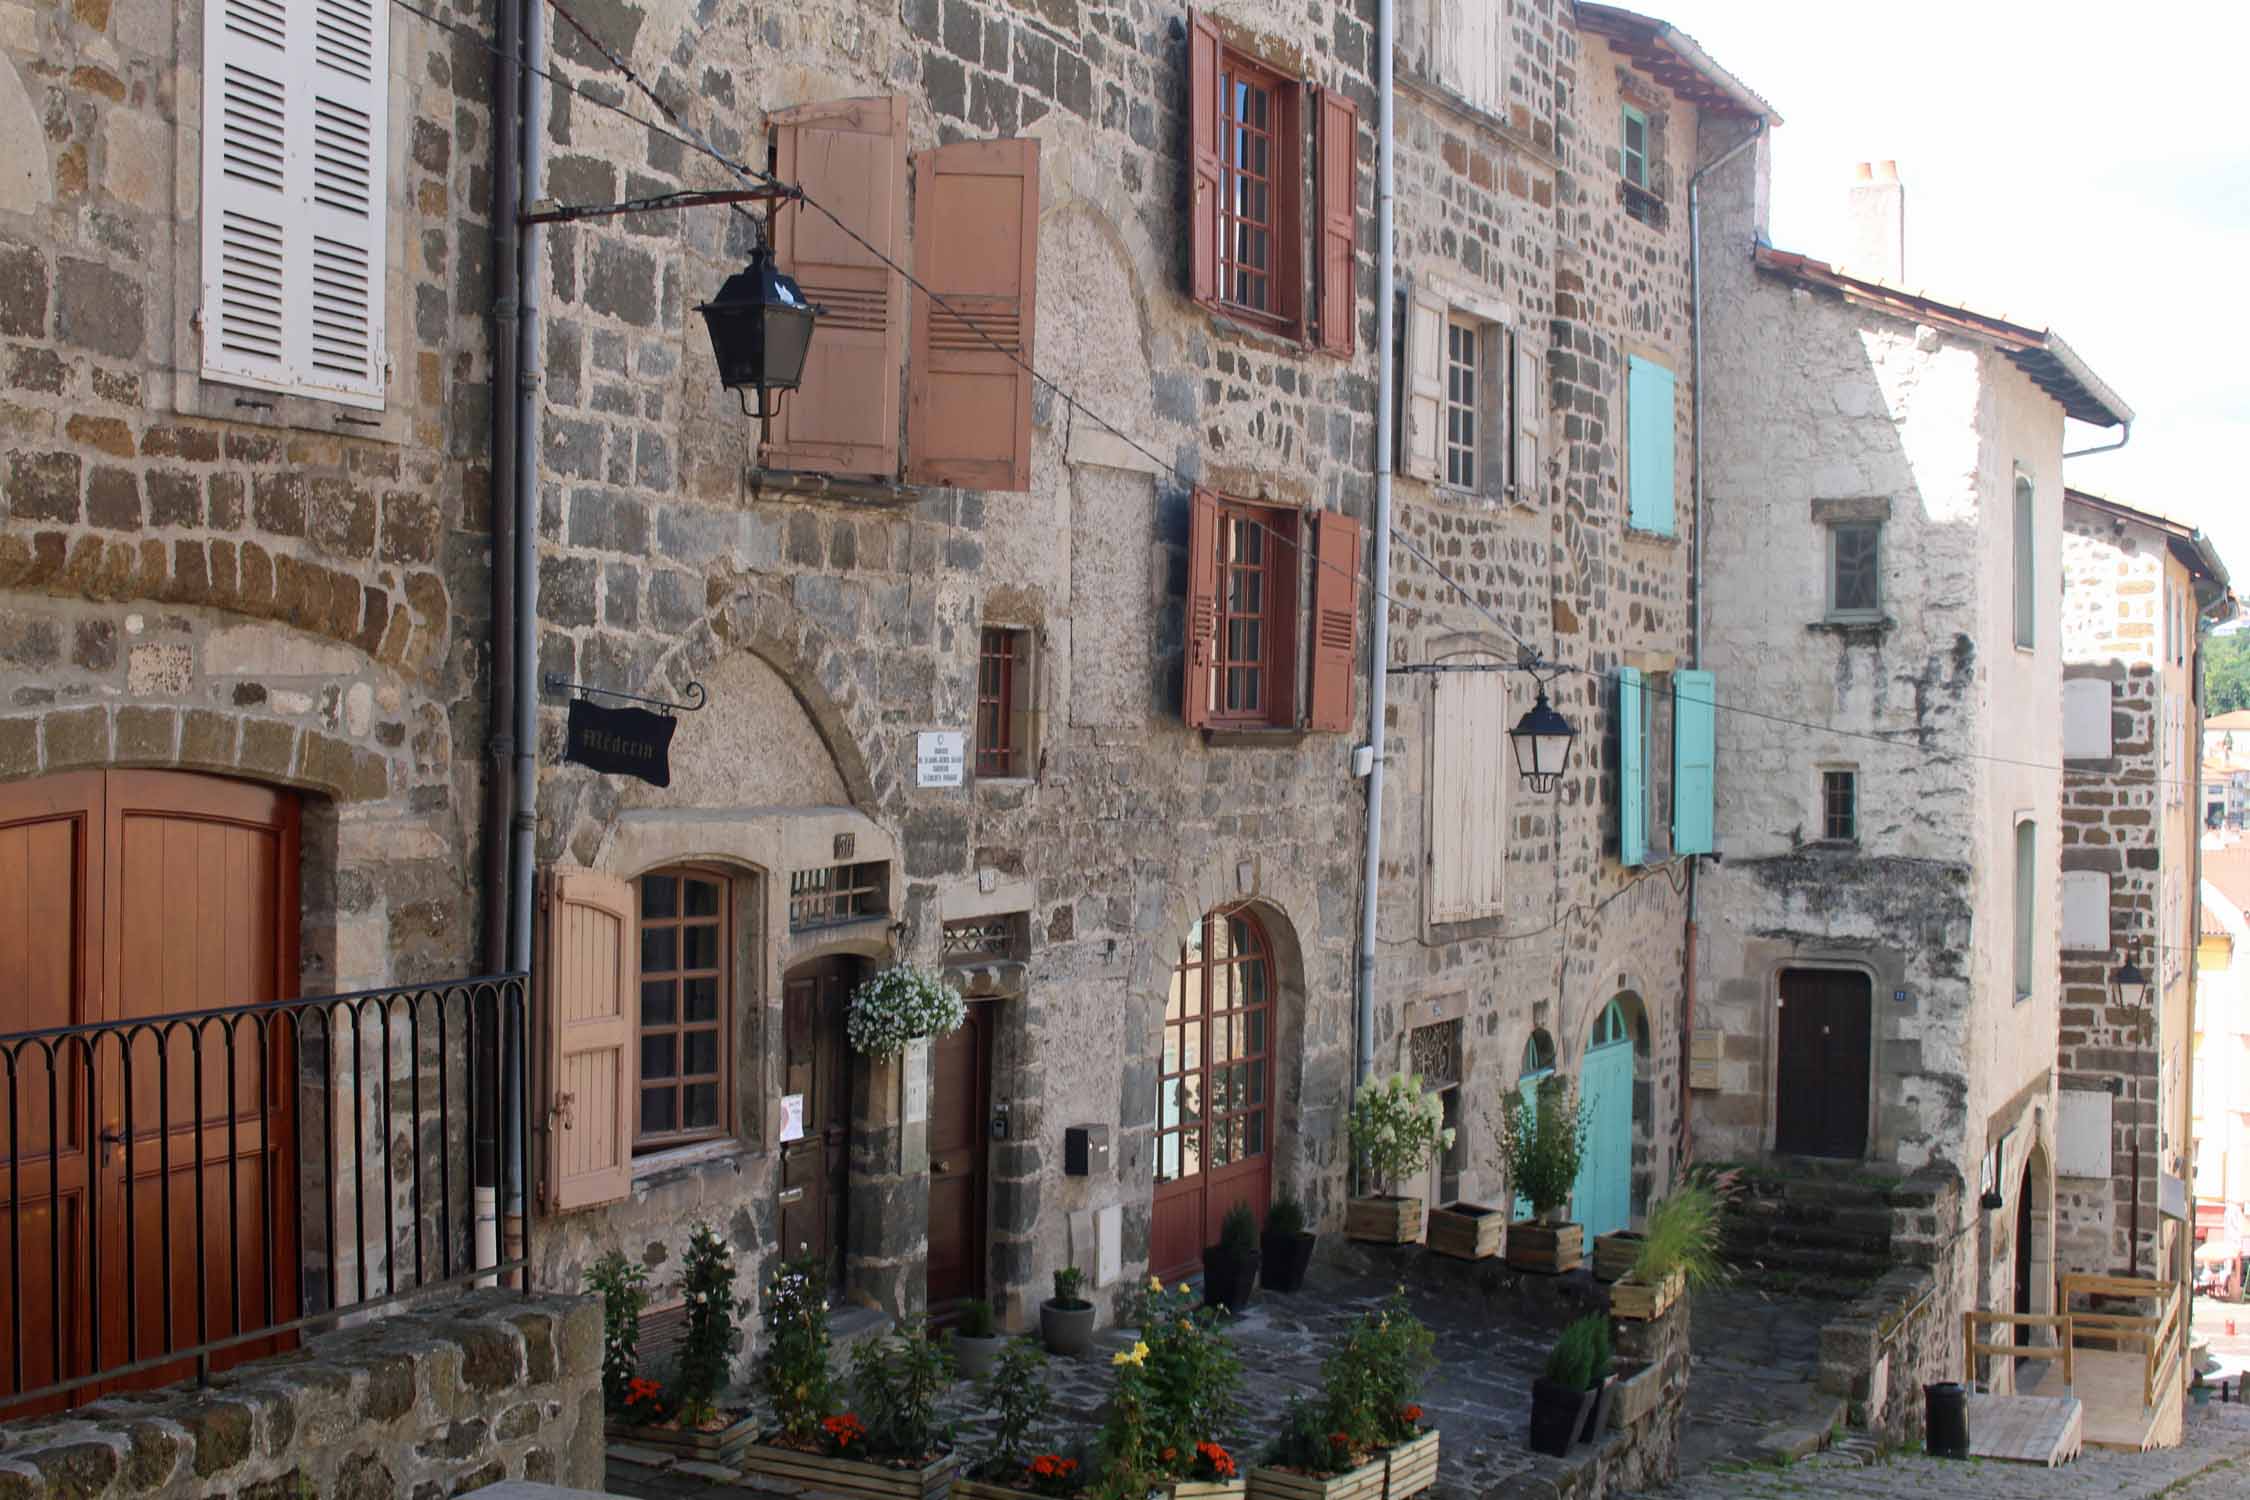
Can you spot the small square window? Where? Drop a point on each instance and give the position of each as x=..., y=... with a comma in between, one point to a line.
x=836, y=894
x=1632, y=156
x=1855, y=577
x=1839, y=806
x=1004, y=699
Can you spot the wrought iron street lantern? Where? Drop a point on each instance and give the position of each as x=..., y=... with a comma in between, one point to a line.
x=2131, y=984
x=1542, y=738
x=761, y=327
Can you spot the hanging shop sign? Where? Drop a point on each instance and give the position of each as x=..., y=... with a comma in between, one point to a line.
x=624, y=740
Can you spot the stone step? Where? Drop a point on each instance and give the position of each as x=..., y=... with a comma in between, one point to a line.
x=1815, y=1237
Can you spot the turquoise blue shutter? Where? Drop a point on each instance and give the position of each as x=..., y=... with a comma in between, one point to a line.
x=1649, y=407
x=1695, y=761
x=1632, y=797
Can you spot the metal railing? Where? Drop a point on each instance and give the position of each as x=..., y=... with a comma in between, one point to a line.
x=184, y=1189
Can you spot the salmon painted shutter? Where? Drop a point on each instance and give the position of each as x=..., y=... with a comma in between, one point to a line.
x=1202, y=608
x=1334, y=618
x=849, y=156
x=1425, y=384
x=1526, y=396
x=1695, y=762
x=976, y=245
x=1632, y=794
x=592, y=993
x=1203, y=152
x=1337, y=213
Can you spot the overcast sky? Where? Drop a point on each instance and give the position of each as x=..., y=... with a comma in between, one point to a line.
x=2067, y=166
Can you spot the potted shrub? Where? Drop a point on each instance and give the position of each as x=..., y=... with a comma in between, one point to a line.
x=1373, y=1380
x=901, y=1005
x=623, y=1287
x=686, y=1417
x=1230, y=1268
x=1604, y=1379
x=1286, y=1247
x=892, y=1446
x=1678, y=1253
x=1541, y=1142
x=977, y=1340
x=1016, y=1394
x=1396, y=1126
x=1314, y=1459
x=1467, y=1231
x=1066, y=1320
x=1563, y=1395
x=1176, y=1393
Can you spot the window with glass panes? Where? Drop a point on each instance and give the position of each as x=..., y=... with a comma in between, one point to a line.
x=1461, y=398
x=1251, y=115
x=999, y=667
x=1247, y=559
x=1214, y=1090
x=1855, y=588
x=683, y=1022
x=1632, y=157
x=1839, y=805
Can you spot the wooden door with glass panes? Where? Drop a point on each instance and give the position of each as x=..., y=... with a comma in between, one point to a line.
x=1214, y=1089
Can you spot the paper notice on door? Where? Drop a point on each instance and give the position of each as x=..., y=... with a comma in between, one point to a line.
x=792, y=1117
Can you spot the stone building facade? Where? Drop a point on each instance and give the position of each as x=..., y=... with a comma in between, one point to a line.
x=2139, y=592
x=1879, y=957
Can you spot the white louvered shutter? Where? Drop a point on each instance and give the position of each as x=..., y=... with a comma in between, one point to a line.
x=295, y=195
x=1528, y=414
x=1425, y=384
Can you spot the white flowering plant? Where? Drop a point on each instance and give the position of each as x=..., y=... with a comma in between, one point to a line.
x=1396, y=1126
x=707, y=1348
x=902, y=1004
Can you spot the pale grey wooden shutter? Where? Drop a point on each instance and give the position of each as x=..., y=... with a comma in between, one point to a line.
x=295, y=195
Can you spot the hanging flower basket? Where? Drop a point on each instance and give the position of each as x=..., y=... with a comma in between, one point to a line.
x=899, y=1006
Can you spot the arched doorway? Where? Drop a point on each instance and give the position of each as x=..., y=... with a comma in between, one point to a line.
x=1538, y=1062
x=1603, y=1199
x=1214, y=1136
x=2034, y=1247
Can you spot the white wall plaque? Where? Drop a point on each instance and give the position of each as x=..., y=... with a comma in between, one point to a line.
x=939, y=757
x=792, y=1117
x=917, y=1082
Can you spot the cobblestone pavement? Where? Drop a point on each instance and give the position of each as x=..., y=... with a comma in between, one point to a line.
x=2212, y=1464
x=1753, y=1357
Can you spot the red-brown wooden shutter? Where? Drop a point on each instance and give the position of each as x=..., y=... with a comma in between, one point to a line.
x=976, y=245
x=1335, y=618
x=850, y=157
x=1285, y=628
x=1203, y=151
x=1336, y=212
x=1202, y=608
x=593, y=994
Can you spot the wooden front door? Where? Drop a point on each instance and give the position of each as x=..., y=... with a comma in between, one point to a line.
x=960, y=1113
x=1602, y=1199
x=134, y=896
x=1214, y=1090
x=815, y=1169
x=1822, y=1066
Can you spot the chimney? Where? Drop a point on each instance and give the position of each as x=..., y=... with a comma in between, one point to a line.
x=1878, y=224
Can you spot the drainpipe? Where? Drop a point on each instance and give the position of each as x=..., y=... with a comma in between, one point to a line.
x=2125, y=436
x=499, y=790
x=516, y=1040
x=1379, y=616
x=1695, y=595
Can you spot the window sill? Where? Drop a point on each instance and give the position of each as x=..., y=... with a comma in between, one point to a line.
x=694, y=1154
x=1219, y=736
x=765, y=483
x=1860, y=631
x=1643, y=205
x=197, y=395
x=1279, y=337
x=1643, y=534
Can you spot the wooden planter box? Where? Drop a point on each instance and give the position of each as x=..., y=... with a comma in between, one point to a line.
x=980, y=1489
x=1633, y=1396
x=724, y=1446
x=1411, y=1467
x=1614, y=1254
x=1384, y=1221
x=1467, y=1231
x=1547, y=1249
x=1206, y=1489
x=851, y=1476
x=1362, y=1483
x=1639, y=1302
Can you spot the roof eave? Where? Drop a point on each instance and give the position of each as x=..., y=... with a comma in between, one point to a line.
x=1618, y=23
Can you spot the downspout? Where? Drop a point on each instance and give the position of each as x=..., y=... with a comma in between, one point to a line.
x=1379, y=617
x=1695, y=598
x=516, y=1072
x=499, y=788
x=2125, y=436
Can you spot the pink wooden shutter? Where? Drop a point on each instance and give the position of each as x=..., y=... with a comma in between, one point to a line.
x=976, y=245
x=849, y=156
x=1203, y=151
x=1337, y=214
x=592, y=993
x=1202, y=608
x=1335, y=616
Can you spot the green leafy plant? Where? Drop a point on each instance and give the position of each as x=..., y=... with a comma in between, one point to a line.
x=1682, y=1236
x=1309, y=1442
x=707, y=1347
x=897, y=1382
x=1581, y=1355
x=1541, y=1142
x=1238, y=1232
x=623, y=1287
x=977, y=1321
x=1068, y=1281
x=1396, y=1127
x=1192, y=1376
x=1286, y=1217
x=1128, y=1445
x=1370, y=1381
x=1016, y=1394
x=793, y=1372
x=902, y=1004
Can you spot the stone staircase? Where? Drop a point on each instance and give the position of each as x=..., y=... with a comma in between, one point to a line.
x=1815, y=1228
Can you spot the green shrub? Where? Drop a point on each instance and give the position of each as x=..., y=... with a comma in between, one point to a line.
x=623, y=1287
x=1581, y=1356
x=794, y=1369
x=1068, y=1279
x=1286, y=1217
x=977, y=1321
x=1541, y=1142
x=1370, y=1380
x=897, y=1382
x=1307, y=1440
x=707, y=1348
x=1016, y=1394
x=1396, y=1126
x=1238, y=1232
x=1682, y=1236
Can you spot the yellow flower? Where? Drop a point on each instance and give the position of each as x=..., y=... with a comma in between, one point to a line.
x=1183, y=1288
x=1134, y=1356
x=1156, y=1283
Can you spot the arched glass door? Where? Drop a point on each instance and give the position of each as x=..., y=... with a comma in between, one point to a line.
x=1214, y=1088
x=1603, y=1198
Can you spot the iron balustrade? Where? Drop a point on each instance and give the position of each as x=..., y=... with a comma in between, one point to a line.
x=346, y=1158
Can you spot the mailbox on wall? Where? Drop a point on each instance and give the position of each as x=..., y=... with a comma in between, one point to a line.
x=1085, y=1150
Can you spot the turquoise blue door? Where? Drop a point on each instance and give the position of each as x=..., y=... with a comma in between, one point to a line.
x=1603, y=1199
x=1538, y=1062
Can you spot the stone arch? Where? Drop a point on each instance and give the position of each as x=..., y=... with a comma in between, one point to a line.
x=2035, y=1190
x=215, y=741
x=820, y=664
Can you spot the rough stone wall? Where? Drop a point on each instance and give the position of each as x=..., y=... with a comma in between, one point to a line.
x=420, y=1405
x=201, y=576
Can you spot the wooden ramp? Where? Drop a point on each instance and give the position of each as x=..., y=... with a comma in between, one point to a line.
x=2111, y=1385
x=2046, y=1430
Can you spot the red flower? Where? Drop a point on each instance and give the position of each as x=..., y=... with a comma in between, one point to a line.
x=1411, y=1413
x=843, y=1430
x=1169, y=1454
x=640, y=1389
x=1215, y=1459
x=1339, y=1440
